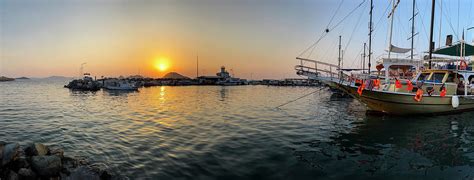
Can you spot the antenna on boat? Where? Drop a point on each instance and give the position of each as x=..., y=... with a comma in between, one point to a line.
x=81, y=71
x=370, y=32
x=430, y=55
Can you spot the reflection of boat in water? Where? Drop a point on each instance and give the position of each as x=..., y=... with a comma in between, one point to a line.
x=422, y=148
x=119, y=85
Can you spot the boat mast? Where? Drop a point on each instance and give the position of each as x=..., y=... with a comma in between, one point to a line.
x=391, y=28
x=339, y=57
x=370, y=32
x=363, y=63
x=413, y=29
x=430, y=55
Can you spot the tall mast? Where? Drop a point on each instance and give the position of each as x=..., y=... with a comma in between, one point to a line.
x=370, y=32
x=391, y=29
x=431, y=32
x=339, y=57
x=412, y=29
x=363, y=64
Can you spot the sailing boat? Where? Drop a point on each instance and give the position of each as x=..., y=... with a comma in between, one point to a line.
x=432, y=91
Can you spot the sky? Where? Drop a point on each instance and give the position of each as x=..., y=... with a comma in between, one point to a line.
x=253, y=39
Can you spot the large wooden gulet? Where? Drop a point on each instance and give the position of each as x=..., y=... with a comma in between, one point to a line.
x=405, y=86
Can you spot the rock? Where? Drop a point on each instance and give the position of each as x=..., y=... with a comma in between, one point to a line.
x=21, y=162
x=57, y=152
x=26, y=173
x=83, y=172
x=46, y=165
x=12, y=176
x=10, y=153
x=36, y=149
x=101, y=169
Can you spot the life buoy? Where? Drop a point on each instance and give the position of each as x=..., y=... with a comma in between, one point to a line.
x=419, y=95
x=360, y=89
x=442, y=93
x=398, y=84
x=409, y=85
x=376, y=83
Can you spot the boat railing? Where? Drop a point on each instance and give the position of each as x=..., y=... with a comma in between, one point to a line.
x=318, y=68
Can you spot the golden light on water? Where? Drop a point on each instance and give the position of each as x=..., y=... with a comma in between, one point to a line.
x=162, y=64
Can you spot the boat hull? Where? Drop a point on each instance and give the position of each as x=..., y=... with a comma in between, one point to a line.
x=404, y=104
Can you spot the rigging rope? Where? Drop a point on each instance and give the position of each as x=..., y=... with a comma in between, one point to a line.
x=333, y=27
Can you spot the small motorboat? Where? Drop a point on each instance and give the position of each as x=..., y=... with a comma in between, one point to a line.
x=122, y=85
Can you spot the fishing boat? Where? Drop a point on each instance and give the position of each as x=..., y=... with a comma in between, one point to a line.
x=87, y=83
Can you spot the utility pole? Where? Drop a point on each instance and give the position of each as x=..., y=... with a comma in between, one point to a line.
x=197, y=66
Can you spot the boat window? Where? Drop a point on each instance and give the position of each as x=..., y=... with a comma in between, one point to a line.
x=451, y=77
x=438, y=77
x=423, y=76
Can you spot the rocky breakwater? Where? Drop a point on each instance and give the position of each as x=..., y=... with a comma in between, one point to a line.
x=37, y=161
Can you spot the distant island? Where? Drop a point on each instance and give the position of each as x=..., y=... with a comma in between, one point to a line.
x=3, y=79
x=22, y=78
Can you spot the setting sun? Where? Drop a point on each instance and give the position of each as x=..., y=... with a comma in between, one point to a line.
x=162, y=64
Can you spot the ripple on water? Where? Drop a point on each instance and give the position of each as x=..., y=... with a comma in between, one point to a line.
x=209, y=132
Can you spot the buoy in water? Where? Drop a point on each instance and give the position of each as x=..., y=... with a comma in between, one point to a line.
x=455, y=101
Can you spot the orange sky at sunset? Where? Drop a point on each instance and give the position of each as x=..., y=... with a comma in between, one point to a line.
x=44, y=38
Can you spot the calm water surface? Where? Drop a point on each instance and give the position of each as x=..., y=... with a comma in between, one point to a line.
x=212, y=132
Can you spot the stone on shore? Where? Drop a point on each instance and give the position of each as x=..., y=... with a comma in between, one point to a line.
x=12, y=176
x=26, y=173
x=46, y=165
x=36, y=149
x=57, y=152
x=10, y=153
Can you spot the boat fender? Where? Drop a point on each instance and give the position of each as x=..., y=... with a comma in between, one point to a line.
x=455, y=101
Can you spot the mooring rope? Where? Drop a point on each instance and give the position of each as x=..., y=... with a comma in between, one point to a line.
x=278, y=107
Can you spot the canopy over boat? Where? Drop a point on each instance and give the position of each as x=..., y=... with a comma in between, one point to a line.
x=455, y=50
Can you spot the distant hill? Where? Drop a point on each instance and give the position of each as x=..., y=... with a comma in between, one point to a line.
x=22, y=78
x=3, y=78
x=174, y=75
x=62, y=78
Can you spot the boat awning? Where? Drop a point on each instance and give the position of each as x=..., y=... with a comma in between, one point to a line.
x=455, y=50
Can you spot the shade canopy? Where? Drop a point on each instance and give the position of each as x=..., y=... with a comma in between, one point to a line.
x=455, y=50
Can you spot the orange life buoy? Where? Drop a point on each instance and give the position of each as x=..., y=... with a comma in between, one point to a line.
x=419, y=95
x=360, y=89
x=376, y=83
x=409, y=85
x=398, y=84
x=442, y=93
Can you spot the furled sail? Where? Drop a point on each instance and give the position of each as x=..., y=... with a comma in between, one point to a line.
x=396, y=49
